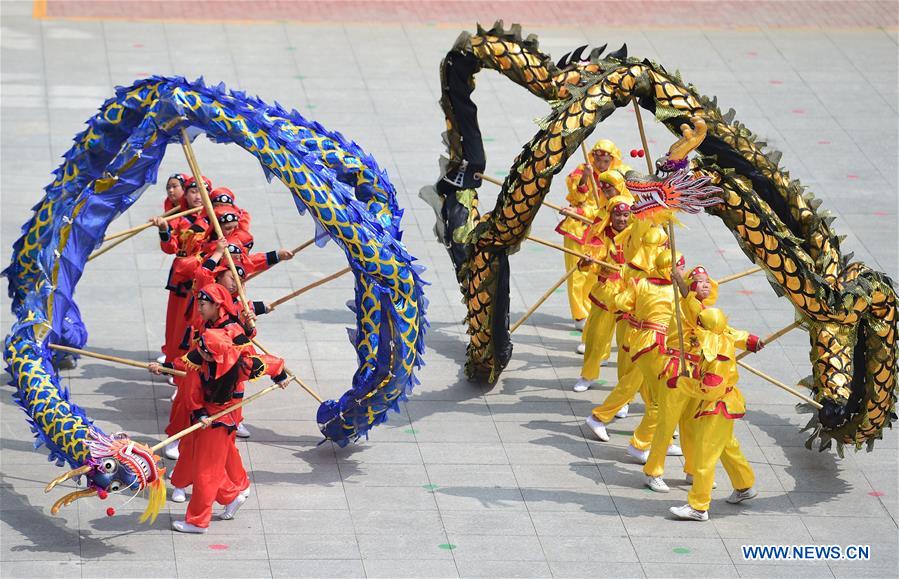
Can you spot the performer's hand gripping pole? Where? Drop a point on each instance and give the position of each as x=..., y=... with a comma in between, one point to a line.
x=210, y=213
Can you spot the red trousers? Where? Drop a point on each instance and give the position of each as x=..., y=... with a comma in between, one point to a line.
x=189, y=397
x=176, y=325
x=219, y=475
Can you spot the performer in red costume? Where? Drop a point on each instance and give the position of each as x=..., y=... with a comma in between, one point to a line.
x=222, y=363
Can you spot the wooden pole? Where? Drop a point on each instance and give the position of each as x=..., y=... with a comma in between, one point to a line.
x=779, y=384
x=678, y=317
x=732, y=277
x=489, y=179
x=771, y=338
x=294, y=251
x=562, y=248
x=542, y=299
x=216, y=416
x=561, y=210
x=116, y=359
x=168, y=216
x=210, y=213
x=568, y=213
x=293, y=376
x=304, y=289
x=106, y=247
x=593, y=180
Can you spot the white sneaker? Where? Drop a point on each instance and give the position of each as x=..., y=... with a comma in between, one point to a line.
x=579, y=324
x=656, y=484
x=623, y=412
x=178, y=495
x=598, y=428
x=689, y=479
x=688, y=513
x=242, y=431
x=674, y=450
x=582, y=385
x=171, y=450
x=185, y=527
x=641, y=455
x=581, y=348
x=232, y=507
x=160, y=359
x=737, y=497
x=245, y=493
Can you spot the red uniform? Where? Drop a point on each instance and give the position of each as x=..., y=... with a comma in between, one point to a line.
x=218, y=474
x=183, y=239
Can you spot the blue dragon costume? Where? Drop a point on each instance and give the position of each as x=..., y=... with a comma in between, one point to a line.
x=112, y=162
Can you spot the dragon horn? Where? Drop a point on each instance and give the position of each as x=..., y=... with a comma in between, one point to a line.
x=577, y=55
x=692, y=138
x=66, y=476
x=71, y=498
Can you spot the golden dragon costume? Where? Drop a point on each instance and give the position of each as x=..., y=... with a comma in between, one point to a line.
x=848, y=309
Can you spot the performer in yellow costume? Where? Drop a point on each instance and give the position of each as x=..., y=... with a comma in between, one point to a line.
x=650, y=304
x=585, y=200
x=612, y=184
x=714, y=383
x=673, y=404
x=642, y=243
x=597, y=337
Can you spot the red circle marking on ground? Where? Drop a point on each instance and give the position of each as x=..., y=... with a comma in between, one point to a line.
x=775, y=81
x=752, y=53
x=798, y=111
x=138, y=45
x=745, y=292
x=876, y=493
x=823, y=142
x=852, y=176
x=881, y=213
x=218, y=547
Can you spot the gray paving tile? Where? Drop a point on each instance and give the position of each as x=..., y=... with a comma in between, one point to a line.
x=200, y=567
x=311, y=546
x=336, y=568
x=387, y=568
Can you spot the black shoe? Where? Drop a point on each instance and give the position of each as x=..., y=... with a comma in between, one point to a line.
x=67, y=362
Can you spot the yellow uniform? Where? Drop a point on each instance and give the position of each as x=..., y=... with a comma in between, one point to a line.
x=650, y=303
x=574, y=231
x=587, y=201
x=674, y=404
x=642, y=245
x=597, y=336
x=720, y=402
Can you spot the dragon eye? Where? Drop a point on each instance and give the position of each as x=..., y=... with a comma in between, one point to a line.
x=109, y=465
x=115, y=486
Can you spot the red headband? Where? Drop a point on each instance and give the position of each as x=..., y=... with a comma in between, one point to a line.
x=218, y=295
x=218, y=344
x=621, y=208
x=191, y=182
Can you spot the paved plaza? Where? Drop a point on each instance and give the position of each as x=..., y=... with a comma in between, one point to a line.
x=467, y=480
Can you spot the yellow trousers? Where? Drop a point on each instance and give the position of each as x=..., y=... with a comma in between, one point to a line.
x=649, y=364
x=597, y=339
x=714, y=439
x=675, y=409
x=579, y=283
